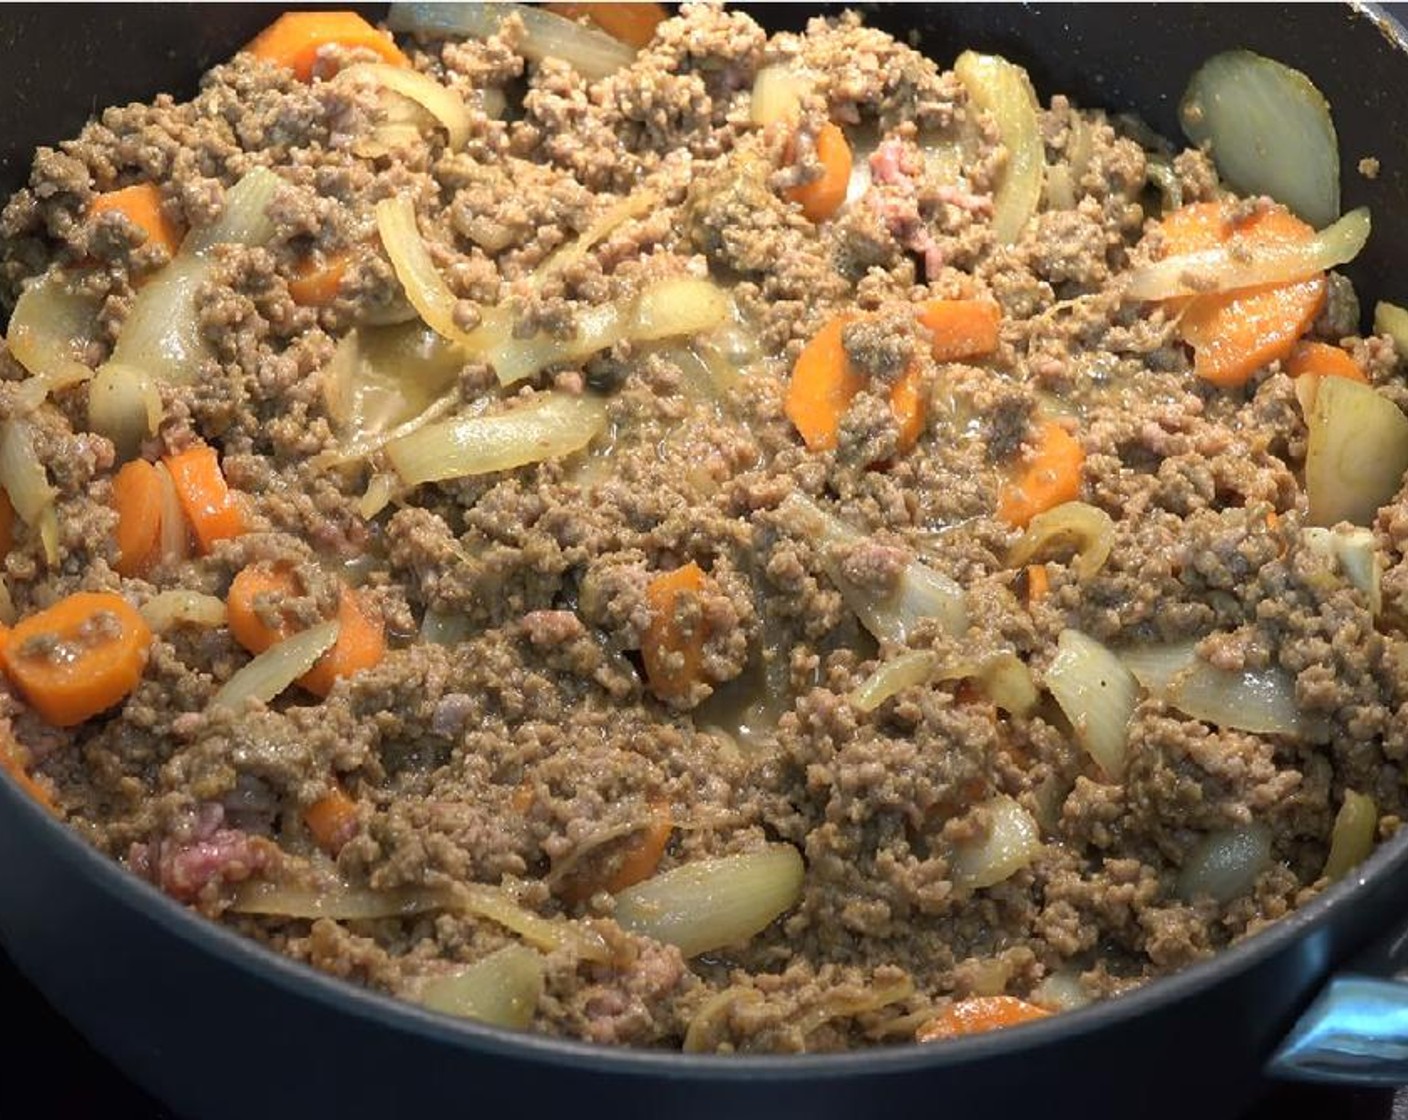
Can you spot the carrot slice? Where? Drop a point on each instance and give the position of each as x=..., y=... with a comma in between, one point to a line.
x=15, y=761
x=1050, y=476
x=295, y=38
x=907, y=404
x=361, y=644
x=962, y=328
x=672, y=654
x=1323, y=360
x=213, y=509
x=317, y=280
x=1038, y=583
x=141, y=205
x=639, y=860
x=332, y=819
x=633, y=24
x=136, y=496
x=241, y=606
x=822, y=387
x=79, y=657
x=7, y=523
x=979, y=1014
x=822, y=197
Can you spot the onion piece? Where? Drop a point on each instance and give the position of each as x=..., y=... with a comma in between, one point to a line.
x=423, y=284
x=8, y=614
x=444, y=628
x=1098, y=695
x=1060, y=991
x=1357, y=452
x=1231, y=267
x=171, y=608
x=502, y=990
x=1165, y=178
x=1008, y=683
x=124, y=405
x=440, y=102
x=277, y=667
x=340, y=902
x=380, y=377
x=1003, y=89
x=592, y=53
x=1269, y=130
x=1262, y=701
x=1357, y=554
x=172, y=540
x=381, y=488
x=777, y=96
x=909, y=669
x=635, y=205
x=22, y=475
x=49, y=535
x=1092, y=531
x=1352, y=838
x=245, y=219
x=1226, y=864
x=50, y=331
x=1011, y=843
x=1156, y=666
x=676, y=307
x=549, y=935
x=548, y=427
x=922, y=593
x=1392, y=320
x=712, y=903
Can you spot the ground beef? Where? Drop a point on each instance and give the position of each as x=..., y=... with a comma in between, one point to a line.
x=679, y=642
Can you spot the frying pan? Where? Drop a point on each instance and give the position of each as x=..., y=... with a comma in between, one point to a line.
x=219, y=1027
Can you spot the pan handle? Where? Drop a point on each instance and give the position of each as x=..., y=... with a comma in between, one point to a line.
x=1356, y=1031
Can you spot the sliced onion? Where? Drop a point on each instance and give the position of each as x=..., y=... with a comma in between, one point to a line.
x=422, y=282
x=368, y=445
x=1357, y=452
x=635, y=205
x=549, y=935
x=440, y=102
x=1163, y=176
x=50, y=331
x=1352, y=839
x=1226, y=864
x=380, y=377
x=1008, y=683
x=245, y=219
x=124, y=405
x=1011, y=843
x=908, y=670
x=1357, y=554
x=22, y=475
x=1269, y=130
x=444, y=628
x=277, y=667
x=592, y=53
x=1156, y=666
x=1098, y=695
x=677, y=307
x=172, y=539
x=1262, y=701
x=1091, y=530
x=339, y=902
x=850, y=1002
x=713, y=903
x=1231, y=267
x=922, y=593
x=49, y=535
x=503, y=989
x=778, y=91
x=1003, y=89
x=550, y=426
x=596, y=329
x=1392, y=320
x=1060, y=991
x=8, y=614
x=381, y=488
x=171, y=608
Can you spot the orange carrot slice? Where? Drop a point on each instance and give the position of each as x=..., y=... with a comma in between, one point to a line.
x=907, y=405
x=136, y=496
x=1050, y=476
x=673, y=655
x=15, y=761
x=141, y=205
x=79, y=657
x=241, y=606
x=295, y=38
x=1038, y=583
x=318, y=279
x=1323, y=360
x=979, y=1014
x=332, y=819
x=822, y=197
x=633, y=24
x=822, y=387
x=961, y=328
x=361, y=644
x=215, y=512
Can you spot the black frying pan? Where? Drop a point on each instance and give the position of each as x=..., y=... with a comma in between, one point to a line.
x=219, y=1027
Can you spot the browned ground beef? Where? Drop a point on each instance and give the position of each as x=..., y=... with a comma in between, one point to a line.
x=526, y=751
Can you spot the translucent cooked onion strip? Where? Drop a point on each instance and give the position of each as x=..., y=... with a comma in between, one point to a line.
x=1226, y=864
x=8, y=614
x=922, y=593
x=1262, y=701
x=440, y=102
x=22, y=475
x=596, y=329
x=592, y=53
x=381, y=377
x=245, y=219
x=550, y=426
x=1233, y=266
x=1356, y=552
x=277, y=667
x=1003, y=89
x=1098, y=695
x=124, y=405
x=50, y=330
x=777, y=96
x=1356, y=452
x=340, y=902
x=909, y=669
x=1352, y=838
x=1011, y=842
x=712, y=903
x=1090, y=530
x=1392, y=320
x=168, y=609
x=421, y=281
x=502, y=990
x=1269, y=130
x=172, y=540
x=635, y=205
x=498, y=906
x=1156, y=666
x=677, y=307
